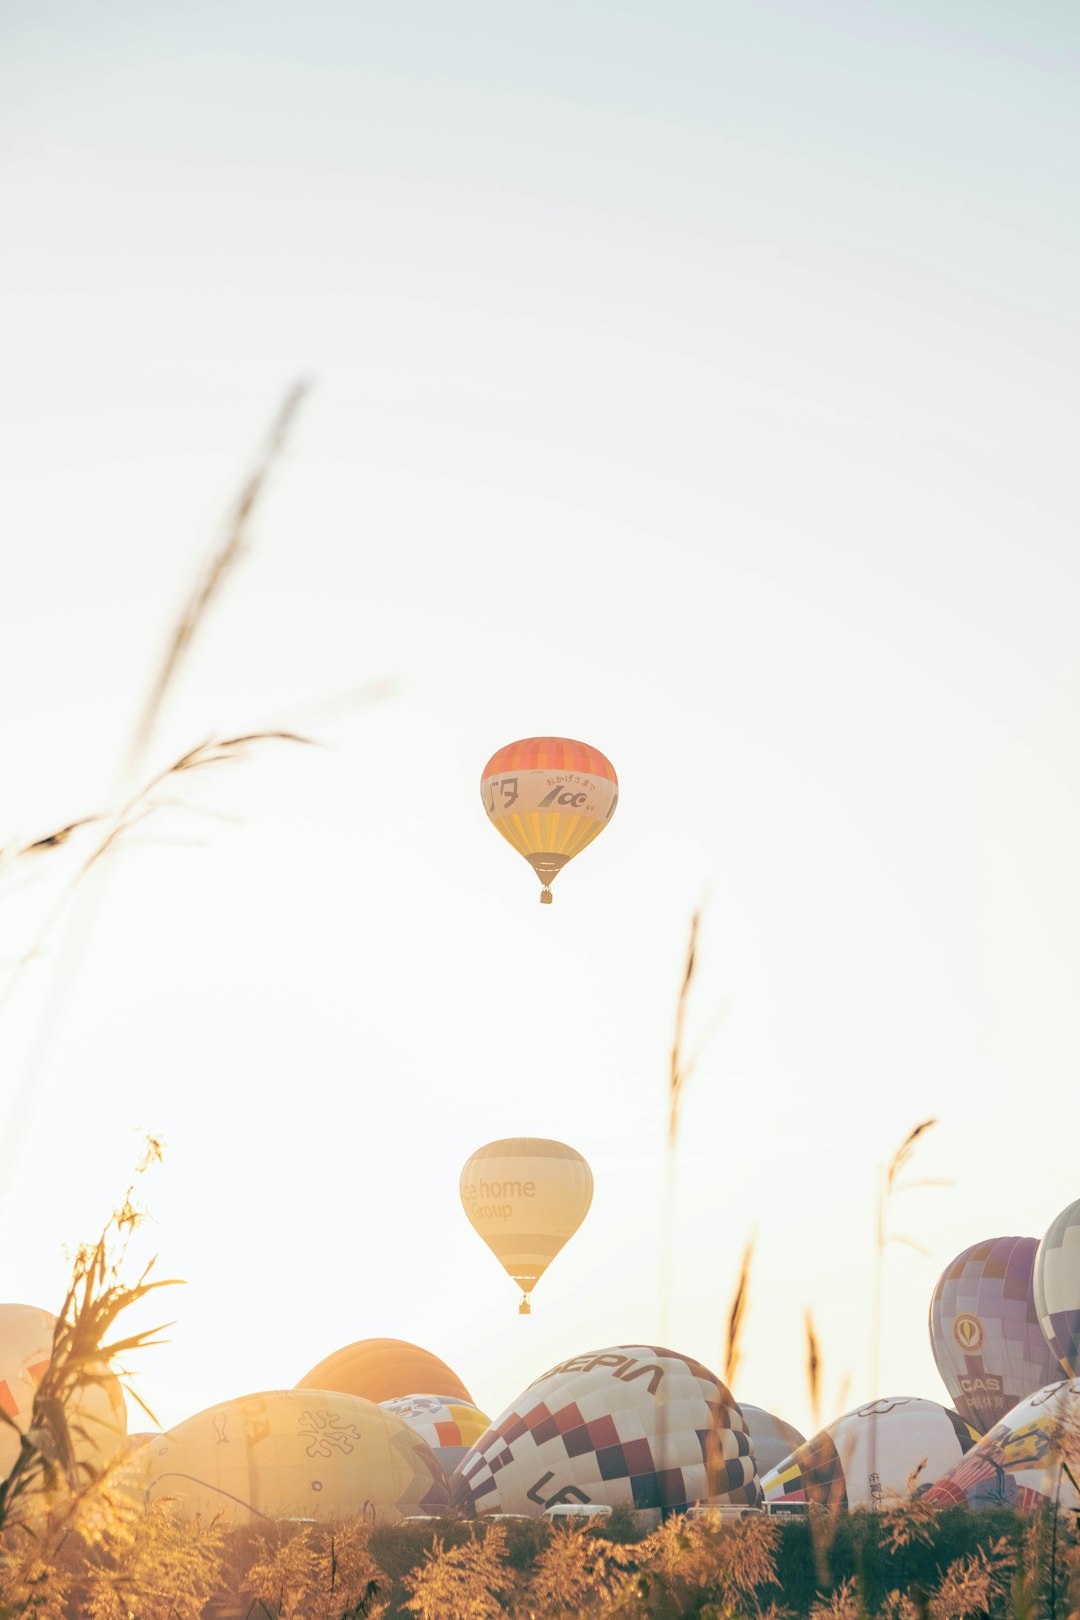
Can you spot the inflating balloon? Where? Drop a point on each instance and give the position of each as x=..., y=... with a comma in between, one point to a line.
x=381, y=1369
x=634, y=1426
x=985, y=1333
x=1057, y=1288
x=774, y=1440
x=293, y=1453
x=96, y=1415
x=448, y=1427
x=526, y=1196
x=549, y=797
x=1030, y=1458
x=874, y=1457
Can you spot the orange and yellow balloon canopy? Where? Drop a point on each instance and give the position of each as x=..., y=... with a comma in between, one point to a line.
x=549, y=797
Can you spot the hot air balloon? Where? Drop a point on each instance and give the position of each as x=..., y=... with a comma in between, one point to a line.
x=1057, y=1288
x=985, y=1333
x=774, y=1440
x=449, y=1427
x=381, y=1369
x=525, y=1196
x=633, y=1426
x=293, y=1453
x=1025, y=1461
x=871, y=1458
x=96, y=1414
x=549, y=797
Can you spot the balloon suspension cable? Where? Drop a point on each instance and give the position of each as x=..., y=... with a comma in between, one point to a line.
x=524, y=1309
x=545, y=896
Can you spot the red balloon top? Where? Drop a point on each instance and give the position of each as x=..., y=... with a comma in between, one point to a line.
x=550, y=754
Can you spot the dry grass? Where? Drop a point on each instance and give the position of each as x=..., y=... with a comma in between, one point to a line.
x=737, y=1314
x=86, y=1354
x=119, y=823
x=681, y=1067
x=210, y=582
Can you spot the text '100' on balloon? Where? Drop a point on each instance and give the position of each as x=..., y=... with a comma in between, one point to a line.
x=549, y=797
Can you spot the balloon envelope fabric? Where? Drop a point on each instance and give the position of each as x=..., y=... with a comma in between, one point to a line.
x=871, y=1457
x=1019, y=1463
x=526, y=1196
x=96, y=1411
x=632, y=1426
x=773, y=1439
x=985, y=1332
x=549, y=797
x=441, y=1423
x=1057, y=1288
x=380, y=1369
x=293, y=1453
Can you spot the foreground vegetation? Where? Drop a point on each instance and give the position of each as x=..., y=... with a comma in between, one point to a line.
x=120, y=1564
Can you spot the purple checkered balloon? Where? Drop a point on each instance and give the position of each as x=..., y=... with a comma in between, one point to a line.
x=633, y=1426
x=1057, y=1288
x=985, y=1333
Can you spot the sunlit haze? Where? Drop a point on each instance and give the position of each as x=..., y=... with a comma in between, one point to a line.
x=699, y=381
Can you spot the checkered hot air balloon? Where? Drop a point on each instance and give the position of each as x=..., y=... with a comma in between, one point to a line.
x=526, y=1196
x=874, y=1457
x=1057, y=1288
x=549, y=797
x=985, y=1333
x=1030, y=1458
x=633, y=1426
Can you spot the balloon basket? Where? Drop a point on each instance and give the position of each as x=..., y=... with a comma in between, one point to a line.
x=524, y=1309
x=545, y=897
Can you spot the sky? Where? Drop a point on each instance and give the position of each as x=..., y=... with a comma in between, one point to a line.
x=699, y=381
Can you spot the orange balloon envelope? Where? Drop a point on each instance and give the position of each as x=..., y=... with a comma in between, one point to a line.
x=382, y=1369
x=549, y=797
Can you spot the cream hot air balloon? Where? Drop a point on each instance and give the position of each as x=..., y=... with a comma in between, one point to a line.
x=549, y=797
x=526, y=1196
x=874, y=1457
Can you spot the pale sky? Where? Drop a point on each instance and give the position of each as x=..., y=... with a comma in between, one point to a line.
x=696, y=380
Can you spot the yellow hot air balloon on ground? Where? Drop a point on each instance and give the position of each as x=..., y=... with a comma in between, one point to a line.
x=292, y=1453
x=549, y=797
x=526, y=1196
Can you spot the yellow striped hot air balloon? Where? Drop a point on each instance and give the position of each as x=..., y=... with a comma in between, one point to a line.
x=549, y=797
x=526, y=1196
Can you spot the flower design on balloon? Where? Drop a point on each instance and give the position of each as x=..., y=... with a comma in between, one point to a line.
x=327, y=1434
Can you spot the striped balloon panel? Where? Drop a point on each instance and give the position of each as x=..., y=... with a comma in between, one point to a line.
x=633, y=1426
x=874, y=1457
x=525, y=1197
x=1025, y=1461
x=558, y=754
x=548, y=832
x=985, y=1332
x=1057, y=1288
